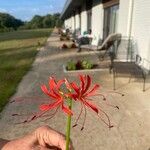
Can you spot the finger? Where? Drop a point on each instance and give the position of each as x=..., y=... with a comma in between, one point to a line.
x=42, y=148
x=46, y=135
x=53, y=148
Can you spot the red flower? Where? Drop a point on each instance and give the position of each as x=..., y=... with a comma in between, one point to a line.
x=56, y=94
x=64, y=46
x=83, y=94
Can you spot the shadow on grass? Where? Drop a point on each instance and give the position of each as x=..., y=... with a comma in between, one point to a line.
x=26, y=34
x=16, y=62
x=12, y=71
x=10, y=51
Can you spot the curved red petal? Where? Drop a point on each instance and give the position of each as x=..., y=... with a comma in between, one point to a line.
x=67, y=110
x=58, y=95
x=45, y=90
x=92, y=91
x=68, y=85
x=52, y=83
x=75, y=87
x=92, y=106
x=59, y=83
x=88, y=84
x=45, y=107
x=82, y=83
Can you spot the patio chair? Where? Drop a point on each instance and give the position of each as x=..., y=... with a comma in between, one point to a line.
x=108, y=42
x=128, y=66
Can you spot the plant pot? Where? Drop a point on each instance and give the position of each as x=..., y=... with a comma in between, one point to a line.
x=94, y=69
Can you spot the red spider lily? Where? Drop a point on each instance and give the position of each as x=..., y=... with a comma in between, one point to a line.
x=83, y=94
x=57, y=95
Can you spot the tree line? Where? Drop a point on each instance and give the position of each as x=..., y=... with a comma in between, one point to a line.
x=10, y=23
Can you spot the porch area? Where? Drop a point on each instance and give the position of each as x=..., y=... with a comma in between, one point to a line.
x=131, y=122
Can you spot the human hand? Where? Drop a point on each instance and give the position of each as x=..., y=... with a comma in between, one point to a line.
x=43, y=138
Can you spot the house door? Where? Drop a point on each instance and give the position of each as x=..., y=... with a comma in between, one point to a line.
x=110, y=20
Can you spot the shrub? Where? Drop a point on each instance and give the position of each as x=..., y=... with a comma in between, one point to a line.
x=71, y=65
x=81, y=64
x=87, y=64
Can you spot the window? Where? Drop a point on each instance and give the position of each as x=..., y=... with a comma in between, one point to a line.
x=110, y=20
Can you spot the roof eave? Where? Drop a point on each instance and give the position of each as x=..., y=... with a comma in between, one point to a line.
x=67, y=4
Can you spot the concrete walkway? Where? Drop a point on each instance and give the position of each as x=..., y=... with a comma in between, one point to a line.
x=132, y=121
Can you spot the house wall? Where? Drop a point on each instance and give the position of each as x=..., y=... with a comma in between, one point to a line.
x=124, y=15
x=97, y=22
x=68, y=23
x=65, y=23
x=141, y=27
x=72, y=23
x=77, y=22
x=83, y=20
x=134, y=21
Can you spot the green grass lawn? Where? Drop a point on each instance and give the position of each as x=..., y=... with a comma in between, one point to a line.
x=17, y=53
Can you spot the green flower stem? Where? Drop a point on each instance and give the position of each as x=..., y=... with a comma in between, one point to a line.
x=68, y=125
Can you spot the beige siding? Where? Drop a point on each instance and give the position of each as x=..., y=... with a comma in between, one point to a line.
x=68, y=23
x=83, y=19
x=135, y=23
x=72, y=23
x=97, y=22
x=77, y=21
x=141, y=27
x=123, y=24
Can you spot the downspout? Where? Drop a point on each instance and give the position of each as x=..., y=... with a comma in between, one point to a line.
x=129, y=30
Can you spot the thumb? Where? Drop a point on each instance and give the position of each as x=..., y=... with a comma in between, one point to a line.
x=41, y=148
x=46, y=136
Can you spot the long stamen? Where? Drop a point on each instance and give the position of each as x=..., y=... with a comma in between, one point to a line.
x=109, y=123
x=81, y=111
x=107, y=102
x=27, y=99
x=52, y=115
x=34, y=117
x=114, y=106
x=85, y=114
x=116, y=92
x=104, y=97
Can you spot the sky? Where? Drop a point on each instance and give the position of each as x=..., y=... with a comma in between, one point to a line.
x=26, y=9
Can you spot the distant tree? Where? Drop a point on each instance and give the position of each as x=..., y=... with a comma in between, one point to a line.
x=47, y=21
x=58, y=21
x=37, y=22
x=9, y=22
